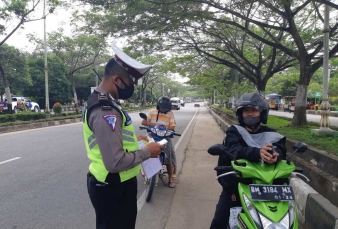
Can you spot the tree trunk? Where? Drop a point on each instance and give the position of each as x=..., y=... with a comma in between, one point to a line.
x=299, y=117
x=152, y=96
x=144, y=97
x=75, y=97
x=7, y=90
x=262, y=84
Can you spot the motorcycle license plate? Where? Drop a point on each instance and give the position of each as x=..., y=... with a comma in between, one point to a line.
x=271, y=192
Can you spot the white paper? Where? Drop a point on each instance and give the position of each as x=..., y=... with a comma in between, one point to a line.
x=152, y=165
x=140, y=144
x=163, y=142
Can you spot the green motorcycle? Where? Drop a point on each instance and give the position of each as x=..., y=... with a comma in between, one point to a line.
x=263, y=204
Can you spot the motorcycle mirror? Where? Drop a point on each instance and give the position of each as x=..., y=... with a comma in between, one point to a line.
x=216, y=150
x=300, y=147
x=143, y=116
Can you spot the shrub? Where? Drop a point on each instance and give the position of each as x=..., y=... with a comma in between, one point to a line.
x=28, y=115
x=7, y=118
x=57, y=108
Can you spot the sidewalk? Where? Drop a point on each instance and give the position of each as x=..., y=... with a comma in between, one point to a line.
x=198, y=191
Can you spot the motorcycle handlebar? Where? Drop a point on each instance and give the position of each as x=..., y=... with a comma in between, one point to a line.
x=223, y=168
x=143, y=128
x=177, y=134
x=299, y=170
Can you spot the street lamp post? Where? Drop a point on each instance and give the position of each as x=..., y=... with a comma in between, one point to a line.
x=97, y=77
x=163, y=89
x=46, y=66
x=324, y=129
x=325, y=122
x=214, y=94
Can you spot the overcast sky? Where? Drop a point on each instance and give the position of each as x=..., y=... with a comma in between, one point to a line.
x=61, y=18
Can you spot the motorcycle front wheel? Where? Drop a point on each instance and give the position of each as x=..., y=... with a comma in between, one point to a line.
x=150, y=188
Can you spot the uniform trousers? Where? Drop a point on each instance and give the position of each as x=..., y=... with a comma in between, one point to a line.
x=115, y=203
x=228, y=199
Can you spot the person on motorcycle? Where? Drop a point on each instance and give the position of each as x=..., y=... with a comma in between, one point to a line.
x=163, y=115
x=248, y=140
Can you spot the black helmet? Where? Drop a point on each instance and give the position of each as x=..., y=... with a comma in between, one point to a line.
x=253, y=100
x=164, y=104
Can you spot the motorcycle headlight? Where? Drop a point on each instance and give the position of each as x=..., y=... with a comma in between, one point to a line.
x=267, y=224
x=161, y=133
x=253, y=212
x=168, y=133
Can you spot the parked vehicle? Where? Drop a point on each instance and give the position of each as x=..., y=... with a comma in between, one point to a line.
x=263, y=204
x=2, y=107
x=33, y=106
x=182, y=102
x=175, y=103
x=289, y=103
x=274, y=101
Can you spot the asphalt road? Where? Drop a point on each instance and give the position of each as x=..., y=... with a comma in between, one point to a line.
x=310, y=117
x=43, y=178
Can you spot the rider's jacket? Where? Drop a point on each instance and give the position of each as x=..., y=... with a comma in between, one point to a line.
x=129, y=138
x=237, y=143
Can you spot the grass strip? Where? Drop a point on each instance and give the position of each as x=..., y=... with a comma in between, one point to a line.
x=283, y=126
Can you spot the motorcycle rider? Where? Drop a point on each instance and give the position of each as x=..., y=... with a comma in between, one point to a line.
x=249, y=140
x=163, y=115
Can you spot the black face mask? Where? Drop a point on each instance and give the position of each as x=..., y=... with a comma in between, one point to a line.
x=125, y=93
x=252, y=121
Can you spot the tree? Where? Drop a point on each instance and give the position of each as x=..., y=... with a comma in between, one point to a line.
x=13, y=72
x=14, y=14
x=227, y=45
x=299, y=22
x=59, y=87
x=77, y=52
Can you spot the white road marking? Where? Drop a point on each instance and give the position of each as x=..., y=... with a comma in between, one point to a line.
x=142, y=199
x=13, y=159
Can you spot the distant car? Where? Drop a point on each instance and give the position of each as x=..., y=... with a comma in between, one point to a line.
x=175, y=104
x=33, y=106
x=3, y=107
x=197, y=105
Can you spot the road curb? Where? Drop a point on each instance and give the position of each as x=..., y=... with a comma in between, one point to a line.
x=37, y=125
x=315, y=211
x=301, y=191
x=320, y=213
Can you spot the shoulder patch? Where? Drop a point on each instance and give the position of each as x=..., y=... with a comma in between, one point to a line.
x=111, y=120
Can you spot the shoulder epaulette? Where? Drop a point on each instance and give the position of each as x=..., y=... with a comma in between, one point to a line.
x=103, y=99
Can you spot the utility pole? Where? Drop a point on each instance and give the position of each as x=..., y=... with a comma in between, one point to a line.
x=324, y=129
x=214, y=94
x=46, y=66
x=97, y=77
x=236, y=81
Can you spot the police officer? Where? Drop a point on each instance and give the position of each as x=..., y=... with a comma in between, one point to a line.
x=112, y=145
